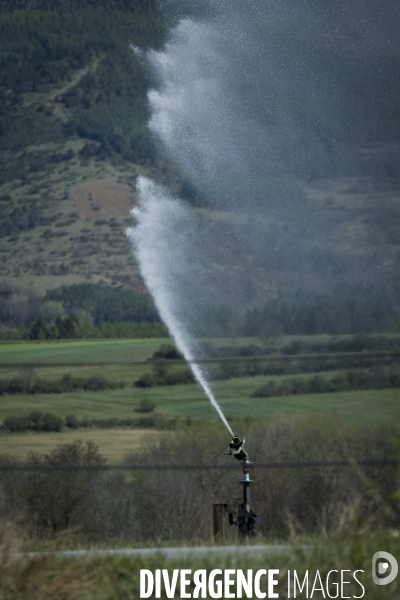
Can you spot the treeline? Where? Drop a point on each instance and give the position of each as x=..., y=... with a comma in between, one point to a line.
x=323, y=314
x=72, y=328
x=161, y=505
x=378, y=378
x=48, y=421
x=103, y=303
x=34, y=421
x=80, y=310
x=26, y=385
x=233, y=369
x=107, y=311
x=355, y=343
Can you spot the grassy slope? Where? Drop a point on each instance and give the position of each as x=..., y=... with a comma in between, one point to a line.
x=85, y=351
x=189, y=400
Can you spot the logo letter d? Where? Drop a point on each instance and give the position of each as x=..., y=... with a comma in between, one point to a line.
x=382, y=568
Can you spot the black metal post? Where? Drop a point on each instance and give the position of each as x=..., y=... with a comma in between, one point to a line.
x=246, y=484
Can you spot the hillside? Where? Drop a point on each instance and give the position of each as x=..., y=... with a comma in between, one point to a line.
x=73, y=139
x=73, y=126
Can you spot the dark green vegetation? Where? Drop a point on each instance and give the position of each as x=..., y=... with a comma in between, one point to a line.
x=38, y=421
x=28, y=385
x=356, y=379
x=45, y=44
x=103, y=303
x=324, y=314
x=161, y=376
x=79, y=311
x=35, y=421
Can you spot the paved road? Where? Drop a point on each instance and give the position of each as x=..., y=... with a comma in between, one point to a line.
x=165, y=553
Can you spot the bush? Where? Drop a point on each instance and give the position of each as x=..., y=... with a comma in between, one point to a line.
x=15, y=424
x=35, y=419
x=145, y=406
x=50, y=422
x=160, y=377
x=57, y=500
x=71, y=421
x=167, y=351
x=148, y=380
x=309, y=500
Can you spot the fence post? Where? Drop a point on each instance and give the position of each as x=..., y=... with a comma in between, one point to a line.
x=219, y=522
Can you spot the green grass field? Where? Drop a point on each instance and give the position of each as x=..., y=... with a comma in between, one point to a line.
x=234, y=395
x=113, y=443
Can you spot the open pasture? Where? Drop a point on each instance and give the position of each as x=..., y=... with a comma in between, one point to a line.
x=113, y=443
x=52, y=359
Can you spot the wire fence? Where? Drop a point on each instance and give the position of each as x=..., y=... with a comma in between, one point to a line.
x=269, y=465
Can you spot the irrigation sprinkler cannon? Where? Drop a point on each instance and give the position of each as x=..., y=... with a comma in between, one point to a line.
x=239, y=513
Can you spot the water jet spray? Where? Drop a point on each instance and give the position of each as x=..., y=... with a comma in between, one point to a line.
x=164, y=235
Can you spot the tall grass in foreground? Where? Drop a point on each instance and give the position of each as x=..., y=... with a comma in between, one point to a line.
x=308, y=501
x=330, y=518
x=49, y=578
x=175, y=506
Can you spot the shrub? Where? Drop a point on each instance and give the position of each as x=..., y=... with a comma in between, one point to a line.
x=35, y=419
x=147, y=380
x=58, y=500
x=167, y=351
x=71, y=421
x=309, y=500
x=15, y=424
x=162, y=377
x=50, y=422
x=145, y=406
x=179, y=378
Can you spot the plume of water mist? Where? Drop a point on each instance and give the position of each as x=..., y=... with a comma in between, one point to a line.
x=256, y=103
x=164, y=234
x=258, y=107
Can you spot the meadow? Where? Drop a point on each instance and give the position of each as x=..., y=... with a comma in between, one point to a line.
x=125, y=360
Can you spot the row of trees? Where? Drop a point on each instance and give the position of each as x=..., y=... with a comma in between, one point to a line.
x=104, y=303
x=378, y=378
x=323, y=314
x=176, y=504
x=79, y=310
x=72, y=328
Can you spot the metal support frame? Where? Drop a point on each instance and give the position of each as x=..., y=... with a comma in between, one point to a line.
x=239, y=514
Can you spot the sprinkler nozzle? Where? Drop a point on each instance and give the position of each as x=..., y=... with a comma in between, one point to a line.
x=236, y=449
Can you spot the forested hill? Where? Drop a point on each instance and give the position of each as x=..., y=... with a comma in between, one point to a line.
x=73, y=115
x=74, y=138
x=45, y=43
